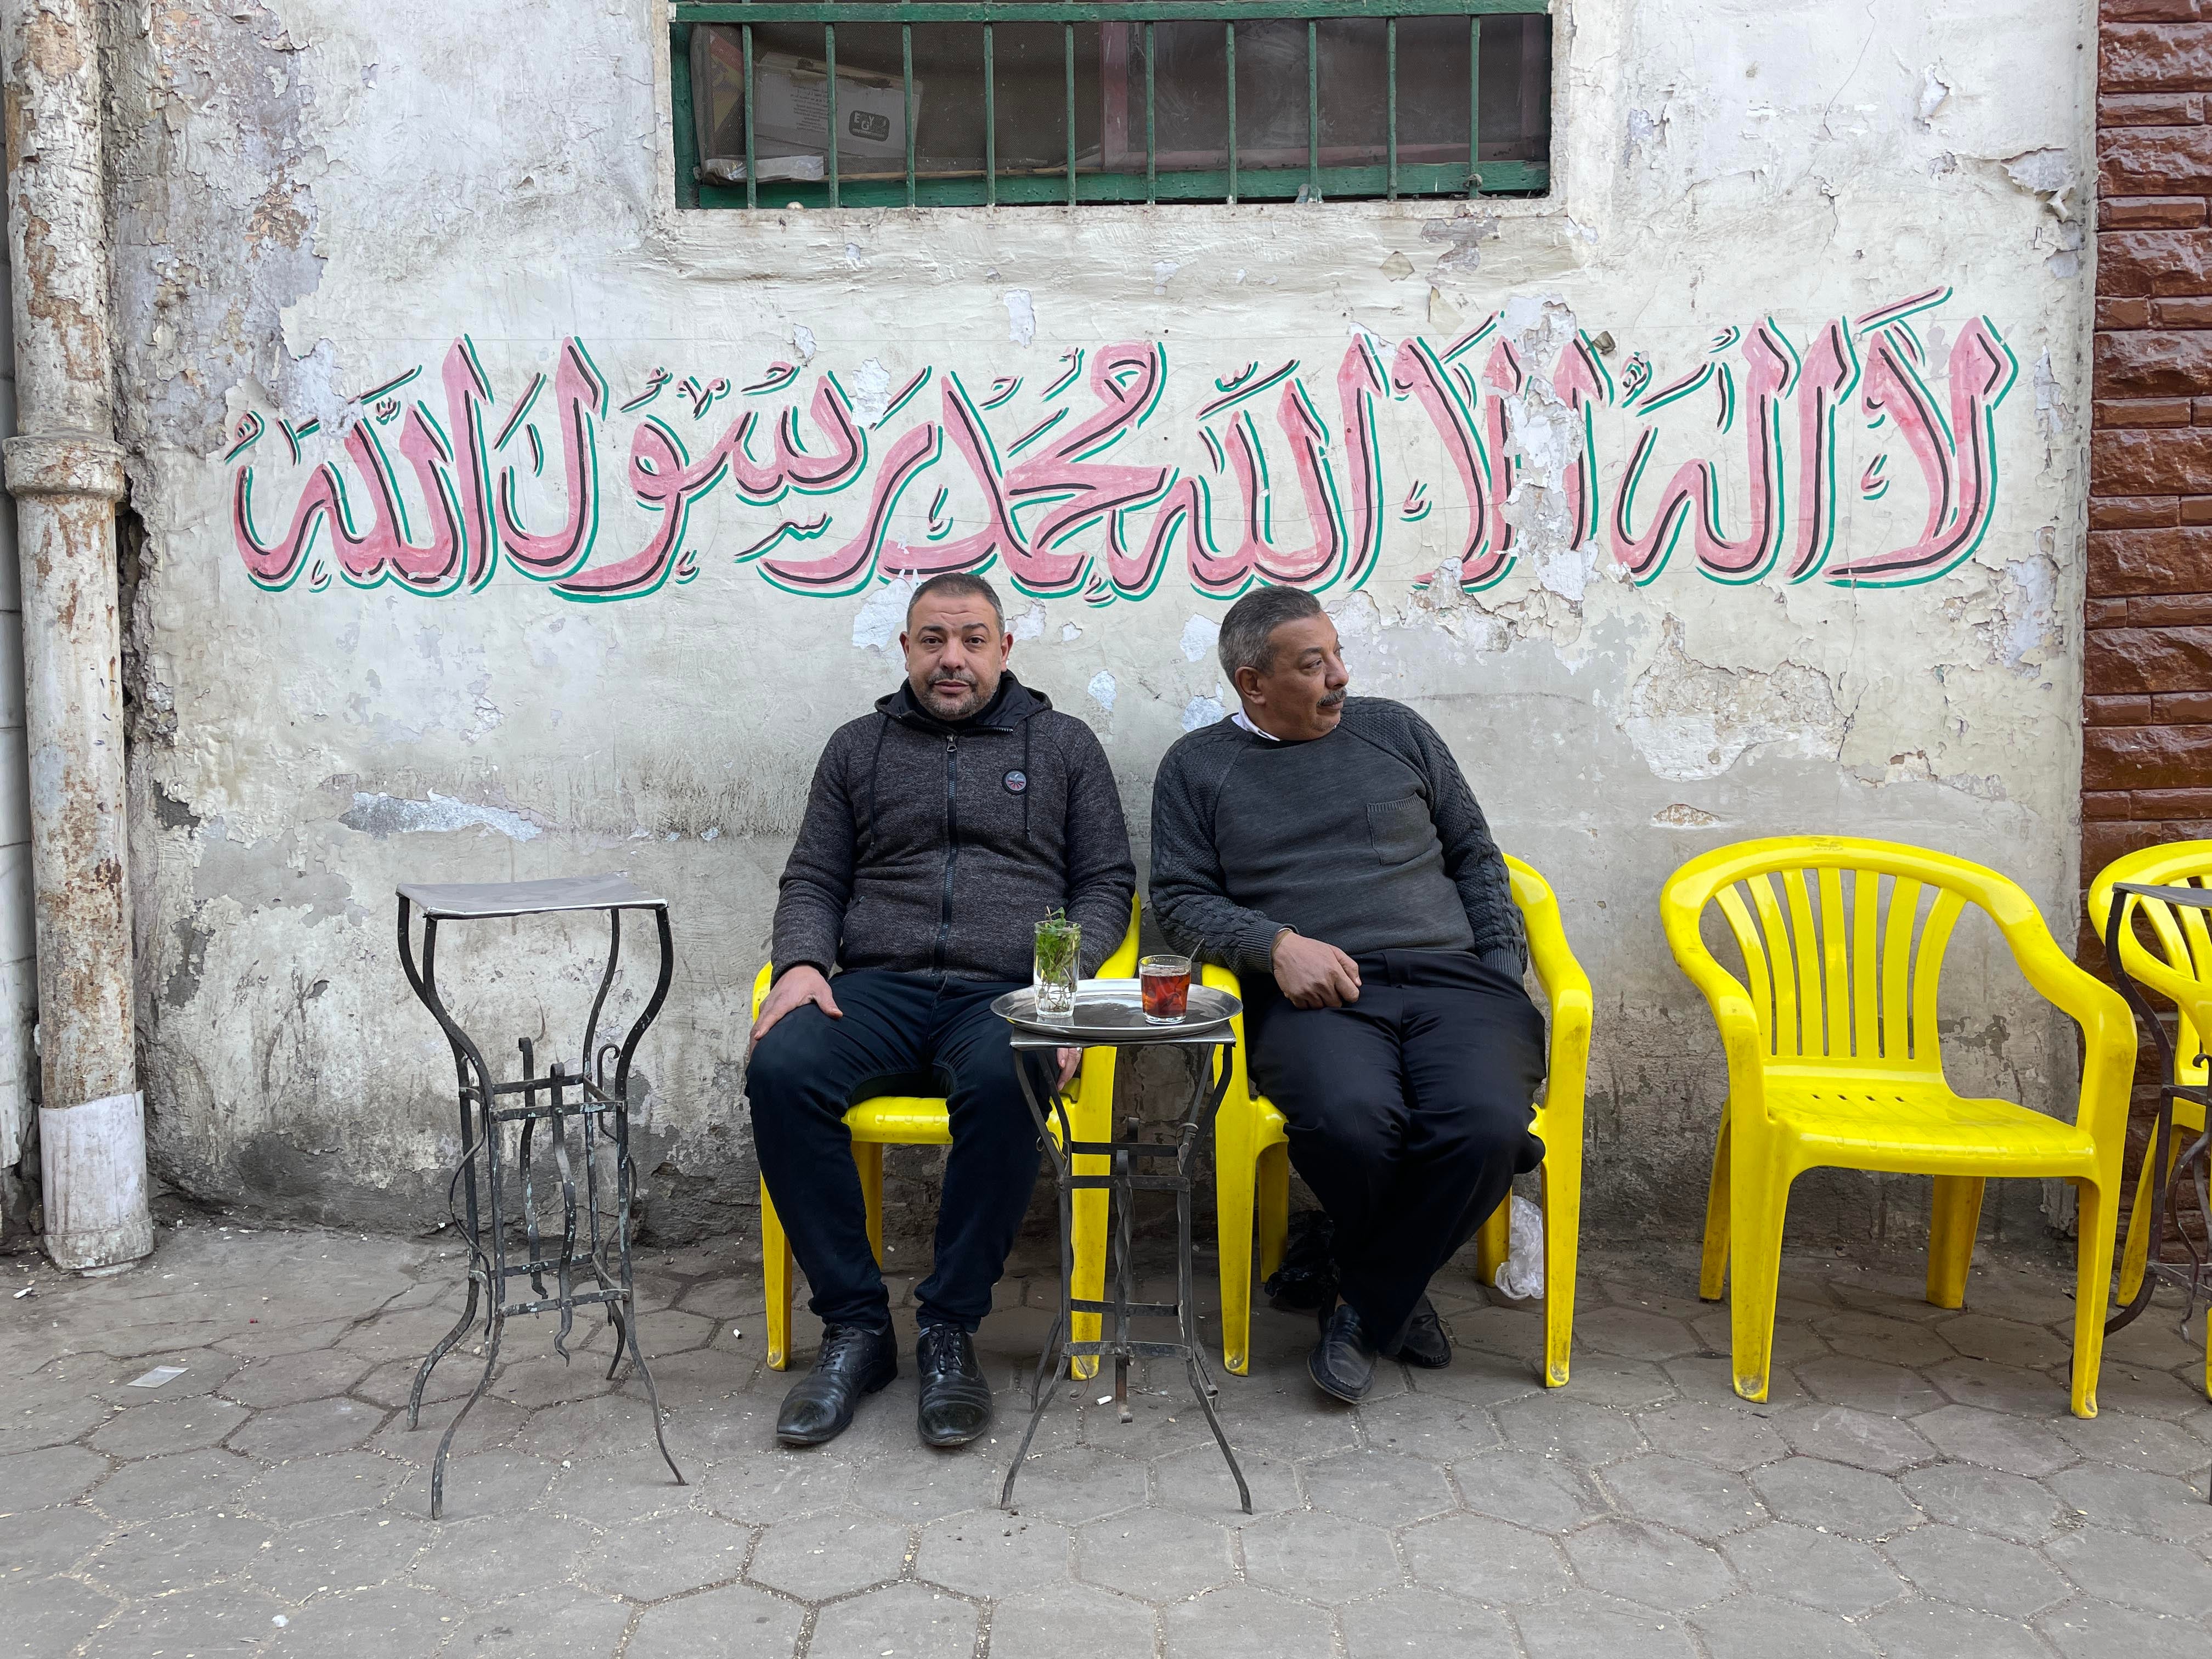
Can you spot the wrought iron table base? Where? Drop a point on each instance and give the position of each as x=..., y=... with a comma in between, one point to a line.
x=600, y=1112
x=1121, y=1184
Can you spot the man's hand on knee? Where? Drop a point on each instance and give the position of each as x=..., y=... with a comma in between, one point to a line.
x=1313, y=974
x=798, y=985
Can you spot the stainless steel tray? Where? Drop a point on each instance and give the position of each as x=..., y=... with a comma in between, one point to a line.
x=1113, y=1010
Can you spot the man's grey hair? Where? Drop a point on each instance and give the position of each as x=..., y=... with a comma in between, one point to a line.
x=1252, y=621
x=960, y=584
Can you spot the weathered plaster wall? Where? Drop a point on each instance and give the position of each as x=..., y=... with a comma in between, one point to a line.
x=1770, y=225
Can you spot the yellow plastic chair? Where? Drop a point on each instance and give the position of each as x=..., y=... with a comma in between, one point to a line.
x=1252, y=1166
x=1833, y=1060
x=2180, y=968
x=920, y=1121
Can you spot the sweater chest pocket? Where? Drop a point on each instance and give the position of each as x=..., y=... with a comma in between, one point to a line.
x=1400, y=829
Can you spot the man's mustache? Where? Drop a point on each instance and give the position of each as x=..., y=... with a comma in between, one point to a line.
x=1334, y=699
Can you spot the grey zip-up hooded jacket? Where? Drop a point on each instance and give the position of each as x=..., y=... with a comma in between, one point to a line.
x=932, y=848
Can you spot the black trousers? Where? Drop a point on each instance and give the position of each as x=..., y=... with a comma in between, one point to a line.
x=1408, y=1113
x=901, y=1034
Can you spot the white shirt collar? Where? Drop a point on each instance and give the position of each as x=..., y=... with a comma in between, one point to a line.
x=1245, y=720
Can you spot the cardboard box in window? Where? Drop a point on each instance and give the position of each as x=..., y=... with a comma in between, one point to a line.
x=791, y=112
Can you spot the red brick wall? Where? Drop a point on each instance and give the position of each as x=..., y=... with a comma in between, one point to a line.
x=2146, y=707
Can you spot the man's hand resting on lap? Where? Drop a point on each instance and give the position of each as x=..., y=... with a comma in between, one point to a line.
x=1313, y=974
x=799, y=985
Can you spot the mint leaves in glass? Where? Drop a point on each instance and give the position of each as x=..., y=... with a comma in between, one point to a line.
x=1059, y=953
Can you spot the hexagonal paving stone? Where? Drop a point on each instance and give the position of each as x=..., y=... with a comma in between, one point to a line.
x=1862, y=1439
x=1155, y=1555
x=1710, y=1379
x=1988, y=1500
x=907, y=1487
x=658, y=1558
x=1579, y=1623
x=2087, y=1629
x=1388, y=1488
x=176, y=1552
x=993, y=1554
x=1199, y=1482
x=2136, y=1572
x=1588, y=1434
x=1036, y=1624
x=1080, y=1484
x=172, y=1425
x=1628, y=1385
x=1921, y=1629
x=1761, y=1627
x=2136, y=1443
x=1404, y=1623
x=1652, y=1565
x=314, y=1488
x=1320, y=1558
x=2005, y=1341
x=215, y=1617
x=481, y=1562
x=52, y=1423
x=1878, y=1337
x=51, y=1615
x=1836, y=1575
x=612, y=1491
x=1831, y=1496
x=1868, y=1385
x=1998, y=1388
x=393, y=1620
x=734, y=1619
x=1695, y=1498
x=1976, y=1570
x=2017, y=1446
x=489, y=1483
x=776, y=1485
x=307, y=1430
x=1634, y=1333
x=817, y=1556
x=292, y=1378
x=37, y=1542
x=1736, y=1437
x=1483, y=1560
x=1431, y=1425
x=491, y=1425
x=170, y=1486
x=910, y=1620
x=2135, y=1500
x=341, y=1554
x=55, y=1475
x=1239, y=1622
x=1530, y=1489
x=560, y=1624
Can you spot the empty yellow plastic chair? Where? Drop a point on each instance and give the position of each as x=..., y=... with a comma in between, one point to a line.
x=1833, y=1060
x=1251, y=1150
x=923, y=1120
x=2180, y=968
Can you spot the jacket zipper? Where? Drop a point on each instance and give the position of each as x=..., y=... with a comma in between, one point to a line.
x=952, y=847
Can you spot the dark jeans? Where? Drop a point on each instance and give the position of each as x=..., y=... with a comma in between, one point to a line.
x=1408, y=1113
x=901, y=1034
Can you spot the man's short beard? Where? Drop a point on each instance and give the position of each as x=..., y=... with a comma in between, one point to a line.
x=969, y=703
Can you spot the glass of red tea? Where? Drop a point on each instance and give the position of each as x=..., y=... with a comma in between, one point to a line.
x=1165, y=981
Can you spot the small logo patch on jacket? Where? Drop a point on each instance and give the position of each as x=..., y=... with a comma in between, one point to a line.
x=1017, y=781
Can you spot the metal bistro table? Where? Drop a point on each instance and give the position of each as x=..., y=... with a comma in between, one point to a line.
x=600, y=1111
x=2195, y=1162
x=1110, y=1013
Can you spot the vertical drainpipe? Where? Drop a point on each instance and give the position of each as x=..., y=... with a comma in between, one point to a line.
x=66, y=474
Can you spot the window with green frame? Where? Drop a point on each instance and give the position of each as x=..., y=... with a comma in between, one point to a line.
x=944, y=103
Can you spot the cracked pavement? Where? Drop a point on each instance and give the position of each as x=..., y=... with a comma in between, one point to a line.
x=1914, y=1486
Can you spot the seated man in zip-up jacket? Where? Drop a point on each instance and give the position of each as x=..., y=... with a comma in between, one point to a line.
x=939, y=830
x=1329, y=851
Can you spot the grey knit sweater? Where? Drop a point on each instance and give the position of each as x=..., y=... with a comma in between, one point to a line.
x=932, y=848
x=1368, y=839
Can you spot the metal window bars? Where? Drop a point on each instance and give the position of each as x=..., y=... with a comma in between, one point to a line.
x=1390, y=176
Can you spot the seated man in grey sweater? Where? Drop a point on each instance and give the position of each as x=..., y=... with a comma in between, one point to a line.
x=1329, y=851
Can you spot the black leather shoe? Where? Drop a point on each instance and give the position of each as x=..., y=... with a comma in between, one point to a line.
x=1343, y=1361
x=955, y=1400
x=1423, y=1342
x=852, y=1362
